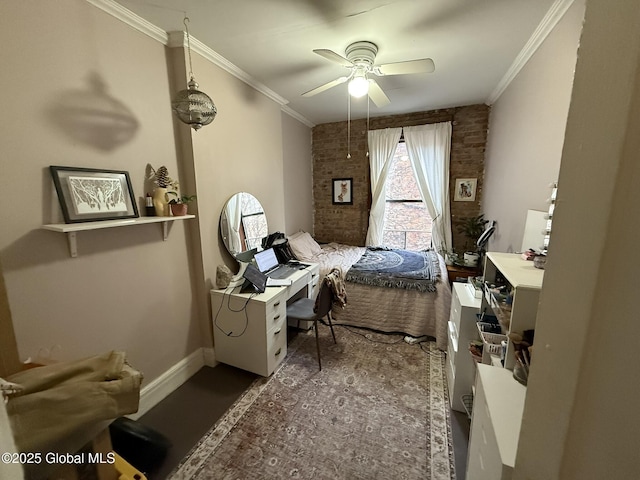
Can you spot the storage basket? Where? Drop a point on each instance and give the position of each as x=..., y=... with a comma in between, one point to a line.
x=492, y=342
x=467, y=403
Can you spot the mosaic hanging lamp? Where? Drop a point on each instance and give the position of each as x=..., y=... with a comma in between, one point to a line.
x=191, y=106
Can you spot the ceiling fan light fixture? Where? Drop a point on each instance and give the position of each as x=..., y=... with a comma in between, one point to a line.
x=358, y=86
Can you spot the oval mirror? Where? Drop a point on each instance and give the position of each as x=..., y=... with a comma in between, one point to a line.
x=243, y=223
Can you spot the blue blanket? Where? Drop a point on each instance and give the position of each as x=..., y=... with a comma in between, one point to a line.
x=394, y=268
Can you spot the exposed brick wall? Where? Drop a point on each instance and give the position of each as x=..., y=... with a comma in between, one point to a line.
x=348, y=223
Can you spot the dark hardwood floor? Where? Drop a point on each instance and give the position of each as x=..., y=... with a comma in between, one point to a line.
x=188, y=413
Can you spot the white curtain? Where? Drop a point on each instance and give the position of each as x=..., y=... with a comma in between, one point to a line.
x=429, y=148
x=382, y=148
x=233, y=210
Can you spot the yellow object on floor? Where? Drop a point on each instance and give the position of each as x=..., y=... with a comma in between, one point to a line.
x=126, y=471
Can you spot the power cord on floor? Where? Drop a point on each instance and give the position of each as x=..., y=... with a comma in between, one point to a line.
x=420, y=343
x=364, y=335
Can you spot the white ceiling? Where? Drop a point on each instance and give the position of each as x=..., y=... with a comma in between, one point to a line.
x=473, y=43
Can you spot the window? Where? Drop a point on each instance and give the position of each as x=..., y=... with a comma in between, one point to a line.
x=407, y=223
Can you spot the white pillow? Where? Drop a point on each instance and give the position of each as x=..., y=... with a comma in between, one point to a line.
x=304, y=246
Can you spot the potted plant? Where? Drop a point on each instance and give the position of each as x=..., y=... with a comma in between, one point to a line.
x=472, y=228
x=450, y=256
x=180, y=204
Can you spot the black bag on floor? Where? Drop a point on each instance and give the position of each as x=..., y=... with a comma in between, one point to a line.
x=141, y=446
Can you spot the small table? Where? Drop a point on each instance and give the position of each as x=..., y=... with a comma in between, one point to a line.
x=462, y=271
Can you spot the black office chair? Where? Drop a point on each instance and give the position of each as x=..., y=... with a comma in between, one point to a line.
x=305, y=309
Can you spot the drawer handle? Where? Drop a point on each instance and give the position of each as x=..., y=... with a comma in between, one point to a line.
x=276, y=318
x=277, y=331
x=278, y=352
x=276, y=304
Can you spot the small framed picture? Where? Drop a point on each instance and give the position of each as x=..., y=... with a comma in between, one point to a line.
x=342, y=191
x=89, y=194
x=465, y=189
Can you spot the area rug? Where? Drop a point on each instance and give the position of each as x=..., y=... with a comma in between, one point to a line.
x=377, y=410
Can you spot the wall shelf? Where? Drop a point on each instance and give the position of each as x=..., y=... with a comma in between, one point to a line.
x=71, y=229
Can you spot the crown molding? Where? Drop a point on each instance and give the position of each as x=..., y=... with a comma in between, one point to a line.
x=292, y=113
x=550, y=20
x=178, y=39
x=127, y=16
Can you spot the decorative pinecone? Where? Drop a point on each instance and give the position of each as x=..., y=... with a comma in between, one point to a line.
x=162, y=177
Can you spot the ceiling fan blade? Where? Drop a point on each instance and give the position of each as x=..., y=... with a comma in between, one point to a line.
x=324, y=87
x=333, y=56
x=377, y=95
x=424, y=65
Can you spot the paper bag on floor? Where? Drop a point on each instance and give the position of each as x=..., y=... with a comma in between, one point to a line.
x=59, y=400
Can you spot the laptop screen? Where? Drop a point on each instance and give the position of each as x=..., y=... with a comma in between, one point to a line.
x=266, y=259
x=256, y=280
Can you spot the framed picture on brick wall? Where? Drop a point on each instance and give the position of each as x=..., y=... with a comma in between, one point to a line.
x=342, y=191
x=465, y=189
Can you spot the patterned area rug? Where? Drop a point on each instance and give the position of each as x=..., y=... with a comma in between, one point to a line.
x=377, y=410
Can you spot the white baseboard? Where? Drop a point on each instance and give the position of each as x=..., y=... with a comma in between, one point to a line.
x=209, y=357
x=166, y=383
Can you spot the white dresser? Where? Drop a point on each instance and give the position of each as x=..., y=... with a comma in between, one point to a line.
x=495, y=426
x=250, y=330
x=460, y=369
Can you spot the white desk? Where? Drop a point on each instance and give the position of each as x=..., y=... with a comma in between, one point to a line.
x=250, y=330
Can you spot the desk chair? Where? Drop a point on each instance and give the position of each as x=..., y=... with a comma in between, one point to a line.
x=305, y=309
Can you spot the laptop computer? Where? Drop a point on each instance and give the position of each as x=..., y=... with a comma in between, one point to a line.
x=255, y=280
x=268, y=264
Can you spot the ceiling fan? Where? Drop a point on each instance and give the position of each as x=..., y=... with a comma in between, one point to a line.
x=360, y=58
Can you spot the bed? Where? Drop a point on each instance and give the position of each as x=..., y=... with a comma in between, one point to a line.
x=386, y=302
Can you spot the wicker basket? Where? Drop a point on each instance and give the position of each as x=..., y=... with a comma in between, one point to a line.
x=492, y=342
x=467, y=403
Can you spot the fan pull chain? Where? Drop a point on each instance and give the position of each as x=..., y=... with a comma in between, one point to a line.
x=348, y=125
x=368, y=104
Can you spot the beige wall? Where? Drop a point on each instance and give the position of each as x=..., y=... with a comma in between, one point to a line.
x=526, y=133
x=579, y=420
x=298, y=206
x=127, y=289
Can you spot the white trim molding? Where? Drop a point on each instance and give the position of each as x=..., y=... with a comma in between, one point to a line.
x=127, y=16
x=292, y=113
x=550, y=20
x=178, y=39
x=161, y=387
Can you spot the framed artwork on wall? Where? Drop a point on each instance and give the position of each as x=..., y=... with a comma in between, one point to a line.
x=465, y=189
x=342, y=191
x=89, y=194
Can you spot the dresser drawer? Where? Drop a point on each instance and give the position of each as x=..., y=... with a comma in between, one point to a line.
x=277, y=349
x=456, y=310
x=489, y=460
x=275, y=312
x=277, y=328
